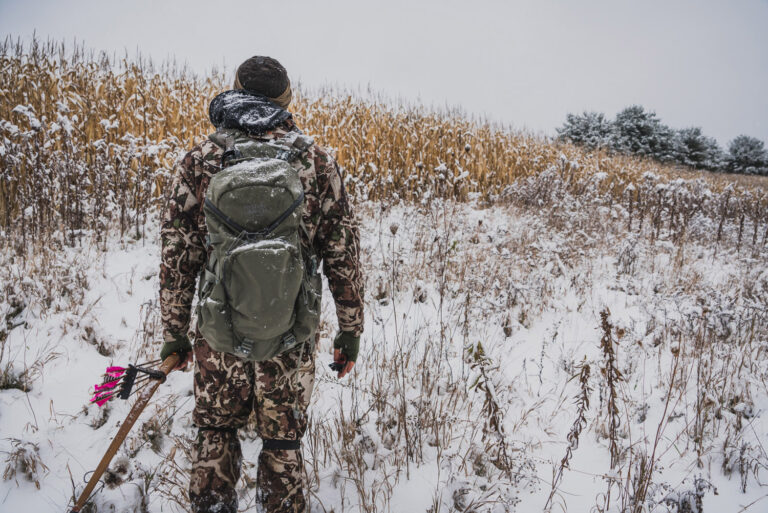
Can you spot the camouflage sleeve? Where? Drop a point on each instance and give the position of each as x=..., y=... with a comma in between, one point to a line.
x=183, y=250
x=339, y=243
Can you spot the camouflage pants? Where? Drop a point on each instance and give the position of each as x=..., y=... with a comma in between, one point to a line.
x=227, y=389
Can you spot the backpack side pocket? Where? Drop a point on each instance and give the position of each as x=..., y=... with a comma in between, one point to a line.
x=213, y=314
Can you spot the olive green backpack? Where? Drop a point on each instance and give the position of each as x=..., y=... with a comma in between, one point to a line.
x=259, y=294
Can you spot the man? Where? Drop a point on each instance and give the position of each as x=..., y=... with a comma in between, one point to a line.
x=227, y=387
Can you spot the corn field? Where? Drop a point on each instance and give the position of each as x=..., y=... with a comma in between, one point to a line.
x=90, y=139
x=547, y=328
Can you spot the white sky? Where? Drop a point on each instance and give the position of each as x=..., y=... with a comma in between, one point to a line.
x=522, y=62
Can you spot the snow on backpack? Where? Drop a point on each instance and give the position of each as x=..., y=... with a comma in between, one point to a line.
x=259, y=294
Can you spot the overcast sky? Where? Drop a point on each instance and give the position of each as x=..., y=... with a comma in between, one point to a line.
x=522, y=62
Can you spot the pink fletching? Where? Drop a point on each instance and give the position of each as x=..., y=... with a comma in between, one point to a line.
x=101, y=403
x=105, y=386
x=115, y=372
x=102, y=396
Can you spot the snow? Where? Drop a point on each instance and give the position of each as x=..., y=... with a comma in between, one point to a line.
x=443, y=280
x=27, y=111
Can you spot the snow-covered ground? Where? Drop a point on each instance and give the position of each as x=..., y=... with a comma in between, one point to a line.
x=479, y=322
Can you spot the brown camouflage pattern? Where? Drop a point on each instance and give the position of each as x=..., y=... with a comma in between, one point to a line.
x=227, y=389
x=216, y=462
x=279, y=481
x=332, y=233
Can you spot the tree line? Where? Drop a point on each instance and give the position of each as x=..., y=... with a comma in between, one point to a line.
x=637, y=131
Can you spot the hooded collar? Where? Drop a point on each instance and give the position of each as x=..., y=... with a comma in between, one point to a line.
x=246, y=111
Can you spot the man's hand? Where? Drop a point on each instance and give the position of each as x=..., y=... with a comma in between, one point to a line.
x=345, y=349
x=187, y=358
x=180, y=345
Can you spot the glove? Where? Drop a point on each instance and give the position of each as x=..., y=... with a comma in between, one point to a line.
x=348, y=344
x=180, y=344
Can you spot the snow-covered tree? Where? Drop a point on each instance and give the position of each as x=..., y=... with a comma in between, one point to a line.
x=697, y=150
x=747, y=155
x=640, y=132
x=590, y=129
x=637, y=131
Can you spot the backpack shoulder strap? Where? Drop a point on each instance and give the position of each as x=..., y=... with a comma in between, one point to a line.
x=226, y=139
x=298, y=140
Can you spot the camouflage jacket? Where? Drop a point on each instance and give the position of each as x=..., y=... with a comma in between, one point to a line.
x=332, y=233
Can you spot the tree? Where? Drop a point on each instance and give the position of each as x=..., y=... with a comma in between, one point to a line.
x=747, y=155
x=697, y=150
x=591, y=129
x=637, y=131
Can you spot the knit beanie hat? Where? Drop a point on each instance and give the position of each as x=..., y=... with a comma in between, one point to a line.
x=265, y=76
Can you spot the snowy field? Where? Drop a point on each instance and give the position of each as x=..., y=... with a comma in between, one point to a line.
x=513, y=360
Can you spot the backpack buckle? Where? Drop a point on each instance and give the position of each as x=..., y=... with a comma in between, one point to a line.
x=313, y=265
x=288, y=339
x=245, y=347
x=230, y=154
x=286, y=155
